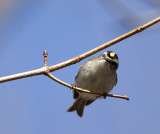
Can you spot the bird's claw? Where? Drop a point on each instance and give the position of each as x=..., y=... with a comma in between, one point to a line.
x=104, y=95
x=73, y=86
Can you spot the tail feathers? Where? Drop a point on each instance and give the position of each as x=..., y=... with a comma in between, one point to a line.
x=78, y=105
x=80, y=108
x=89, y=102
x=74, y=106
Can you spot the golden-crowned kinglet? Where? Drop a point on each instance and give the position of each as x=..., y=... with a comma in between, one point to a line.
x=97, y=75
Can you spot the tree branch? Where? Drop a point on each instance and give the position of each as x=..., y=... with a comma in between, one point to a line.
x=24, y=75
x=46, y=70
x=74, y=60
x=99, y=48
x=84, y=90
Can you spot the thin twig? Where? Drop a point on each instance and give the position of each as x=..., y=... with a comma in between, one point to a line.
x=74, y=60
x=84, y=90
x=99, y=48
x=66, y=84
x=119, y=96
x=45, y=54
x=24, y=74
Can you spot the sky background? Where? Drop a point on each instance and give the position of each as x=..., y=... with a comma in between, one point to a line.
x=68, y=28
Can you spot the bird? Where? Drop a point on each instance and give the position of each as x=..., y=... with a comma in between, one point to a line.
x=98, y=75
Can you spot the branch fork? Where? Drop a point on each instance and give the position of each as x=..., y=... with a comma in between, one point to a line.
x=73, y=86
x=46, y=70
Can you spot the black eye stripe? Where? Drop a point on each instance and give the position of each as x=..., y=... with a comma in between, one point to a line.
x=110, y=56
x=113, y=65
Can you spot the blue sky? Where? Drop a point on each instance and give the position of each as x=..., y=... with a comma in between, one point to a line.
x=66, y=29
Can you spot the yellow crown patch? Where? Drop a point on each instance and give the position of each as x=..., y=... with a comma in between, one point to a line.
x=112, y=54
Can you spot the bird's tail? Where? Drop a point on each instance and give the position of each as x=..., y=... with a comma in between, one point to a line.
x=78, y=105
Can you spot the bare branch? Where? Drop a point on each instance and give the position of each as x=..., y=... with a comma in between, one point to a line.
x=74, y=60
x=23, y=75
x=99, y=48
x=119, y=96
x=45, y=54
x=66, y=84
x=84, y=90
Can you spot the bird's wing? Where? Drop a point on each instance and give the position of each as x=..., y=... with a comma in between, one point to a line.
x=75, y=94
x=116, y=80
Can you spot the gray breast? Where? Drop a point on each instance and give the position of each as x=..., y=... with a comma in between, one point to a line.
x=96, y=76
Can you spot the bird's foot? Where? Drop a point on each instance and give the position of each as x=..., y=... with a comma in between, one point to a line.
x=73, y=86
x=105, y=95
